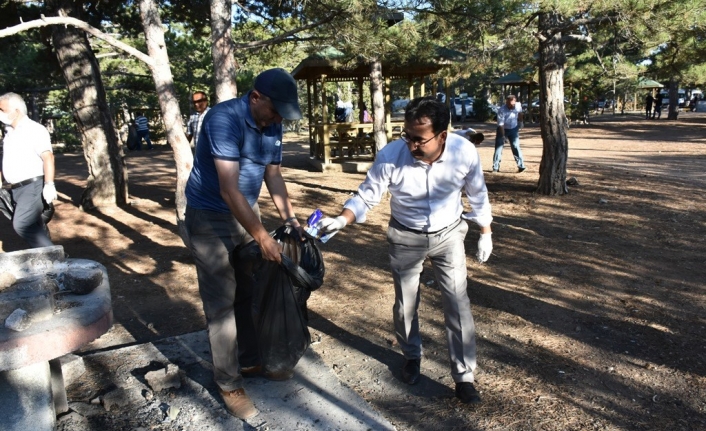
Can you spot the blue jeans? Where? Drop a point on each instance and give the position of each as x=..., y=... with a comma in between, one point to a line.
x=146, y=135
x=513, y=135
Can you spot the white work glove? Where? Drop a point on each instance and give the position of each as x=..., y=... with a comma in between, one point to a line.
x=485, y=247
x=330, y=225
x=49, y=193
x=521, y=125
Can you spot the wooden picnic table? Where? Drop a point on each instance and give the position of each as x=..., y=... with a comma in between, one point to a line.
x=345, y=141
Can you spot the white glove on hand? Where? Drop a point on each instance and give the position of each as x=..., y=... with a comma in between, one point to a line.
x=330, y=225
x=521, y=125
x=485, y=247
x=49, y=193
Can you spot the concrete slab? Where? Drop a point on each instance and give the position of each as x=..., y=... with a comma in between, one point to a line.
x=314, y=399
x=350, y=167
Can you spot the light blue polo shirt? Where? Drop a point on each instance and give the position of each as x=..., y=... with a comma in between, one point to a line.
x=229, y=132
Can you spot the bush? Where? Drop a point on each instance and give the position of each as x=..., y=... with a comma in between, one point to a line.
x=483, y=110
x=66, y=133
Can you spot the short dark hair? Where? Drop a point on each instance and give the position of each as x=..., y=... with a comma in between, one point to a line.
x=478, y=135
x=431, y=108
x=201, y=93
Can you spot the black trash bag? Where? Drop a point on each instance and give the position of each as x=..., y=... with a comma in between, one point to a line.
x=7, y=207
x=281, y=292
x=132, y=138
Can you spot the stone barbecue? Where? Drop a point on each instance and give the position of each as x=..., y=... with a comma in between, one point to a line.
x=50, y=305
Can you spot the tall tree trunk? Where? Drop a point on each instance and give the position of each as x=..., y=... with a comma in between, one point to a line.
x=107, y=173
x=169, y=105
x=376, y=86
x=223, y=50
x=552, y=118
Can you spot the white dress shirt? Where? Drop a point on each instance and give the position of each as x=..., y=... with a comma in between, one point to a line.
x=507, y=118
x=22, y=149
x=425, y=197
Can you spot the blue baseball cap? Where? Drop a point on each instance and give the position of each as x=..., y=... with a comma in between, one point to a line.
x=281, y=88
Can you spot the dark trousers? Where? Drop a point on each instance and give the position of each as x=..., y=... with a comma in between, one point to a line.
x=143, y=134
x=226, y=296
x=27, y=217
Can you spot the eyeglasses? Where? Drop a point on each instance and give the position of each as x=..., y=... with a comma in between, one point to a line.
x=199, y=101
x=416, y=141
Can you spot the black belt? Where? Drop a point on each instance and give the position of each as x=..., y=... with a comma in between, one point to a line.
x=421, y=232
x=25, y=182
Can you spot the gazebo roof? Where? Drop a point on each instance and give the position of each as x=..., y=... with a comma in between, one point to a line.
x=514, y=78
x=339, y=66
x=648, y=83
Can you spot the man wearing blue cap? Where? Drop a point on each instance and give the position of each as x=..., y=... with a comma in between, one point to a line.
x=240, y=146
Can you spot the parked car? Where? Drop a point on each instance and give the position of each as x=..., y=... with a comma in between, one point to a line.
x=458, y=106
x=535, y=103
x=399, y=105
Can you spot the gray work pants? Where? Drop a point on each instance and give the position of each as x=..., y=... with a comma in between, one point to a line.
x=226, y=296
x=446, y=252
x=27, y=219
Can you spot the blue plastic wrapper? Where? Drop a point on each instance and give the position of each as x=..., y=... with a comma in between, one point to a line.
x=312, y=231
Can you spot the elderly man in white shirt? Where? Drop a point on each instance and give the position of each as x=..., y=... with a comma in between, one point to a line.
x=425, y=172
x=510, y=121
x=28, y=165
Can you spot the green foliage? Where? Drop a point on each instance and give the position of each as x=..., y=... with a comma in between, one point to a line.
x=65, y=132
x=482, y=111
x=24, y=65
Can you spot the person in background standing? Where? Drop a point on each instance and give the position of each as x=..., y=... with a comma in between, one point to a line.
x=659, y=100
x=649, y=100
x=510, y=122
x=143, y=131
x=28, y=165
x=200, y=101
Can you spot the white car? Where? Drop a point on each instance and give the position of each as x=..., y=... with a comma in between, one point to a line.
x=457, y=109
x=399, y=105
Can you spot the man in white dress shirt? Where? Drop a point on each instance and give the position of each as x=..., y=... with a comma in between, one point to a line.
x=28, y=165
x=424, y=172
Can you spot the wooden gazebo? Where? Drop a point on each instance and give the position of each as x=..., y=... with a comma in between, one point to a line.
x=353, y=142
x=515, y=79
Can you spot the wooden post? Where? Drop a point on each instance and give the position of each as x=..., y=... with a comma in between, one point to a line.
x=447, y=91
x=324, y=120
x=361, y=102
x=312, y=131
x=388, y=109
x=319, y=154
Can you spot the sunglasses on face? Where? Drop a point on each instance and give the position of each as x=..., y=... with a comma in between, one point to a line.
x=195, y=102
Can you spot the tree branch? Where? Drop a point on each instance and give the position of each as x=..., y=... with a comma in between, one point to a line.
x=60, y=20
x=577, y=38
x=282, y=37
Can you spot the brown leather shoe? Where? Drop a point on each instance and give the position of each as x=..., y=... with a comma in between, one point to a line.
x=279, y=376
x=254, y=371
x=238, y=403
x=257, y=371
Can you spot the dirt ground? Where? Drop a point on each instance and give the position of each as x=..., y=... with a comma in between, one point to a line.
x=590, y=313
